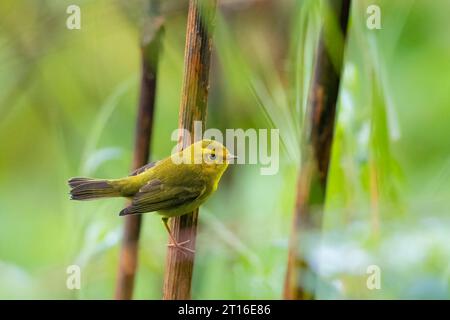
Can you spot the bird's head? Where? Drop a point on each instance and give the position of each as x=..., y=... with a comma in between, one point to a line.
x=210, y=154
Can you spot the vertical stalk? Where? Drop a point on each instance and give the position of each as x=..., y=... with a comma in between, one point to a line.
x=317, y=139
x=374, y=198
x=179, y=265
x=150, y=47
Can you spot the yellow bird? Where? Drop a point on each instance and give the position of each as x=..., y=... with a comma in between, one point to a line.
x=175, y=186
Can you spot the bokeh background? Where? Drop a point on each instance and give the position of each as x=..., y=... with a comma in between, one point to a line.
x=68, y=103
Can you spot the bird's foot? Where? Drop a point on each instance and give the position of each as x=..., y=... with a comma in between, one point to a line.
x=179, y=246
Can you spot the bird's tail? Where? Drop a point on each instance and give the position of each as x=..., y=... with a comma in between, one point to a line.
x=88, y=189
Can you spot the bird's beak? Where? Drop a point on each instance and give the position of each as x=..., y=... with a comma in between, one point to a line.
x=231, y=156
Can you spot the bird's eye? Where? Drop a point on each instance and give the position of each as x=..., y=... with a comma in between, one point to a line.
x=212, y=156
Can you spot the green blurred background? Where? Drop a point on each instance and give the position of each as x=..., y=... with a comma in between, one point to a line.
x=68, y=103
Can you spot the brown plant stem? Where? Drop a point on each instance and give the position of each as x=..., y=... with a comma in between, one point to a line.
x=150, y=48
x=317, y=139
x=179, y=265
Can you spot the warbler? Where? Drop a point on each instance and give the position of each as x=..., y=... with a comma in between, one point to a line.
x=174, y=186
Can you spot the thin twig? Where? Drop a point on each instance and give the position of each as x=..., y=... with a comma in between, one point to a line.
x=179, y=265
x=316, y=147
x=150, y=48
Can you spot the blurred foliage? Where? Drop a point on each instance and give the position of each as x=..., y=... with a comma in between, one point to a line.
x=68, y=108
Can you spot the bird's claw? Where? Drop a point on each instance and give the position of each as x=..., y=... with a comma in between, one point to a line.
x=179, y=246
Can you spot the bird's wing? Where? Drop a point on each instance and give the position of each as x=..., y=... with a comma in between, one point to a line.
x=156, y=196
x=143, y=168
